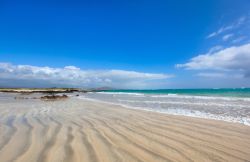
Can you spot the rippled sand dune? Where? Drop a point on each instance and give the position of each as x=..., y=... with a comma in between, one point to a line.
x=75, y=130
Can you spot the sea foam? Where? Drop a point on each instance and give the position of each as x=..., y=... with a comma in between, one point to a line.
x=218, y=108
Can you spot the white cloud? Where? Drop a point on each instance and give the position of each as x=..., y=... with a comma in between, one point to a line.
x=227, y=36
x=215, y=48
x=74, y=76
x=223, y=29
x=239, y=39
x=241, y=20
x=212, y=34
x=234, y=59
x=211, y=75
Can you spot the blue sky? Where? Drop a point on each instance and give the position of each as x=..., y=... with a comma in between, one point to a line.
x=127, y=44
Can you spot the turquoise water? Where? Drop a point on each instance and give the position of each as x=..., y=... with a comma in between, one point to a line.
x=232, y=105
x=230, y=92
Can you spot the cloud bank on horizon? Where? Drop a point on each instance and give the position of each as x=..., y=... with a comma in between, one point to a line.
x=71, y=76
x=233, y=60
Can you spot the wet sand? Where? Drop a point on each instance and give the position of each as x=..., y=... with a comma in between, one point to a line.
x=75, y=130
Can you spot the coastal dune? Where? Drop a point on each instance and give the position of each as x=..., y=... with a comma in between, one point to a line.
x=77, y=130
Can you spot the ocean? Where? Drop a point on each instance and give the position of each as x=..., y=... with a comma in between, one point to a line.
x=229, y=92
x=231, y=105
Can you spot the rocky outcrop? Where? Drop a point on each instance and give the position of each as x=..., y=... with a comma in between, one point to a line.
x=54, y=97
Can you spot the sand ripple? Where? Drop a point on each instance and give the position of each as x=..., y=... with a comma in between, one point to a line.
x=84, y=131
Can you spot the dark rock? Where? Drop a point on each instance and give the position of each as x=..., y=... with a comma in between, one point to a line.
x=54, y=97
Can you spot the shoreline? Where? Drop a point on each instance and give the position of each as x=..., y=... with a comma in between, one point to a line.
x=78, y=130
x=40, y=90
x=44, y=95
x=204, y=116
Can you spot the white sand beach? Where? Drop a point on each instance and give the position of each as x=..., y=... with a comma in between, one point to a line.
x=75, y=130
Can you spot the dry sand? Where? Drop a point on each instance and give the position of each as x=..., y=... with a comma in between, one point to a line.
x=75, y=130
